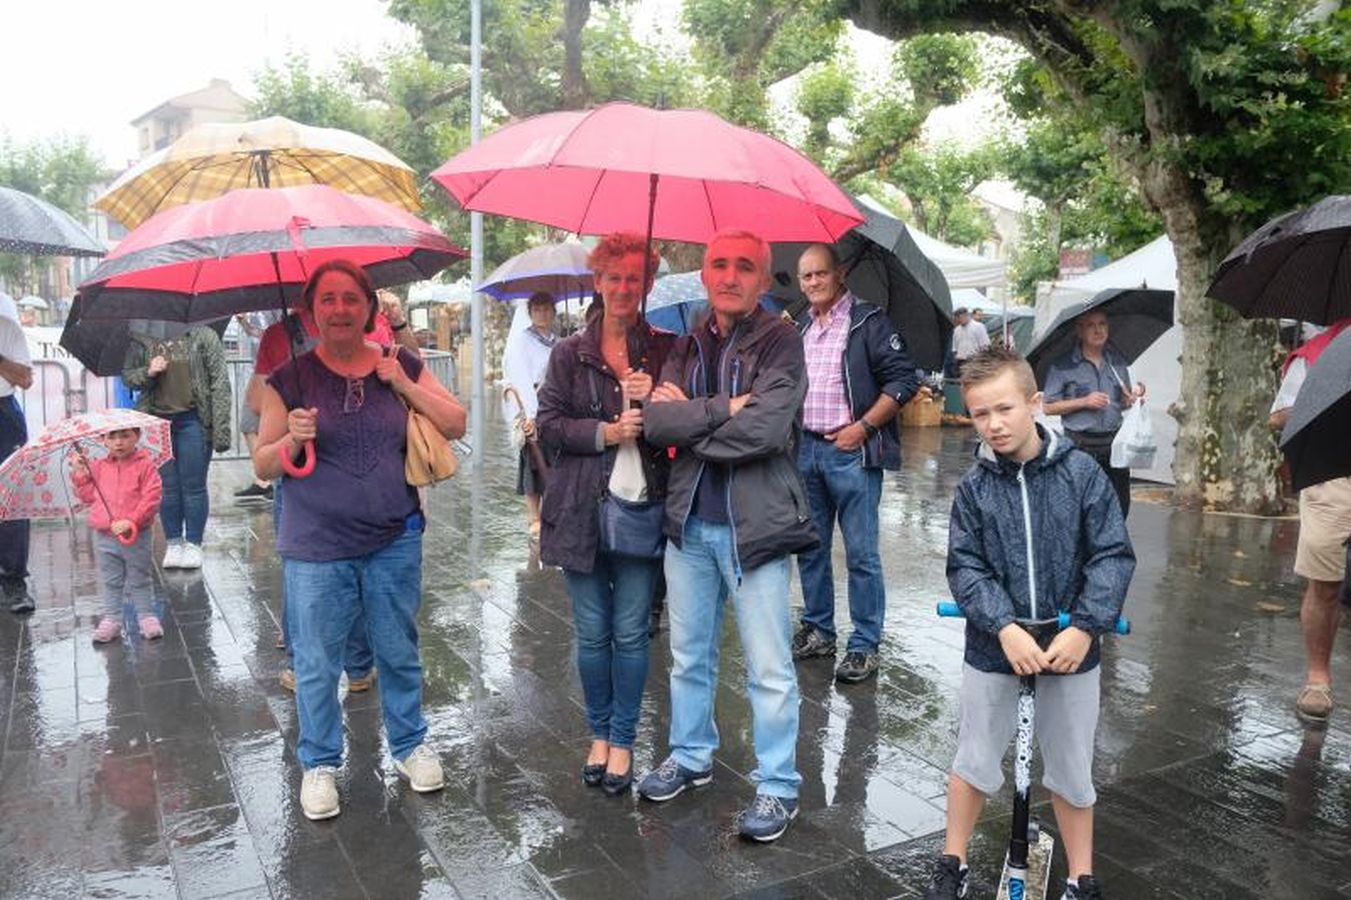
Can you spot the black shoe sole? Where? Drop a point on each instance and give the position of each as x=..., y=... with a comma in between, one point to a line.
x=855, y=679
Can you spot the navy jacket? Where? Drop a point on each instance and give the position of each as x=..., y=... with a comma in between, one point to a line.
x=875, y=362
x=1063, y=505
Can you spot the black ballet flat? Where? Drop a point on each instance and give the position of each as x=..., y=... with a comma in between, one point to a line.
x=593, y=775
x=617, y=785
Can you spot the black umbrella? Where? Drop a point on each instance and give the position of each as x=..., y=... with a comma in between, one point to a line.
x=1297, y=266
x=885, y=267
x=101, y=344
x=35, y=227
x=1137, y=318
x=1315, y=437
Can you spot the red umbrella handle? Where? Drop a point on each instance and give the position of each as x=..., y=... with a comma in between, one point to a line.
x=290, y=468
x=127, y=538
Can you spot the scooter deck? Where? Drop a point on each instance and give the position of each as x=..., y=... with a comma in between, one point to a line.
x=1038, y=871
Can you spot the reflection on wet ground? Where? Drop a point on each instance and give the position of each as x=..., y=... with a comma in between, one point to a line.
x=148, y=770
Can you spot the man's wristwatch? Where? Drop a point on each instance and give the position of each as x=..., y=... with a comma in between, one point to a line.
x=869, y=428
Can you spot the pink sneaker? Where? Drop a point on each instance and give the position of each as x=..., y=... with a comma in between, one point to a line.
x=109, y=630
x=151, y=628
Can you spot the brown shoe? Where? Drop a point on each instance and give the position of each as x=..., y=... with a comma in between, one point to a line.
x=288, y=680
x=1315, y=702
x=362, y=684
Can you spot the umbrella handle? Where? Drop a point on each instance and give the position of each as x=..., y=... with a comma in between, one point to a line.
x=290, y=468
x=126, y=539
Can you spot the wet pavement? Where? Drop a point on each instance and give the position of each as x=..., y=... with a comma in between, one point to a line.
x=167, y=769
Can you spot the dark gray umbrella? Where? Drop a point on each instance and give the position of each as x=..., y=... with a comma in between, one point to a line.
x=1137, y=318
x=885, y=267
x=101, y=344
x=1315, y=437
x=35, y=227
x=1297, y=266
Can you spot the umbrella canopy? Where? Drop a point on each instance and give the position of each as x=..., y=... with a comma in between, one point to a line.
x=253, y=249
x=560, y=269
x=1314, y=439
x=33, y=226
x=1297, y=266
x=214, y=159
x=35, y=479
x=1137, y=317
x=101, y=344
x=886, y=267
x=677, y=301
x=602, y=170
x=33, y=302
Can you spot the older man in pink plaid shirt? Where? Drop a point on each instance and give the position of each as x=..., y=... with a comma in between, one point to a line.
x=858, y=376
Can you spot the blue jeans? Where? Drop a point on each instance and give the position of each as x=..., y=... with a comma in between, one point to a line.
x=840, y=487
x=357, y=658
x=611, y=609
x=185, y=505
x=324, y=599
x=700, y=575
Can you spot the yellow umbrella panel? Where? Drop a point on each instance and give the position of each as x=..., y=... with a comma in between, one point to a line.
x=213, y=159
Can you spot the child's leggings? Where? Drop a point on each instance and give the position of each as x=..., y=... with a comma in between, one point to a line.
x=125, y=571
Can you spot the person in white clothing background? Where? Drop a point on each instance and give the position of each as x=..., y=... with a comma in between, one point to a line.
x=16, y=374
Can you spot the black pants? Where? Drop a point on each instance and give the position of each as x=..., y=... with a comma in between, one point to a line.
x=13, y=532
x=1098, y=444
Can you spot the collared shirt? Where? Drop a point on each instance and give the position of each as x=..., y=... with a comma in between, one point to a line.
x=969, y=339
x=826, y=407
x=13, y=347
x=1073, y=376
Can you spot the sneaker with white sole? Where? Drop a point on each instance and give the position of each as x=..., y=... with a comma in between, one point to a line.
x=192, y=556
x=319, y=793
x=422, y=769
x=173, y=556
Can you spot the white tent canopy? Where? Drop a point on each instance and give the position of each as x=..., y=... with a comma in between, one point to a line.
x=1159, y=367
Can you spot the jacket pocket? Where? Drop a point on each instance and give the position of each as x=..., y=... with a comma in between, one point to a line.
x=794, y=489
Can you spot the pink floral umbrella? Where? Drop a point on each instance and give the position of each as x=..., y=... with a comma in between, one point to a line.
x=35, y=479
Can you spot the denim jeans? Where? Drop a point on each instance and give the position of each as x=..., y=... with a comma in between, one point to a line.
x=185, y=505
x=13, y=532
x=611, y=609
x=700, y=576
x=357, y=658
x=839, y=487
x=324, y=599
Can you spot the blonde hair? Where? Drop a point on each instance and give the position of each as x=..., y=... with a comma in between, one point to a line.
x=617, y=245
x=994, y=361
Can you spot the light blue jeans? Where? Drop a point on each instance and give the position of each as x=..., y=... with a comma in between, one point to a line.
x=185, y=503
x=323, y=600
x=701, y=575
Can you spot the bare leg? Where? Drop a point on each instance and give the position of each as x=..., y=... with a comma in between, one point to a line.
x=964, y=806
x=532, y=507
x=1076, y=833
x=1320, y=614
x=600, y=752
x=620, y=761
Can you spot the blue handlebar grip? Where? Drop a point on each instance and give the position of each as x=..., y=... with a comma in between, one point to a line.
x=949, y=609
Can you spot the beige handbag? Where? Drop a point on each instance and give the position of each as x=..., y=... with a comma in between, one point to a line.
x=428, y=458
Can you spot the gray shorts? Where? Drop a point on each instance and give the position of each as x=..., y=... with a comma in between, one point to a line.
x=1067, y=718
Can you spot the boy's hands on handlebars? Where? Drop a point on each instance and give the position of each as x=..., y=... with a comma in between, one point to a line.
x=1067, y=650
x=1021, y=650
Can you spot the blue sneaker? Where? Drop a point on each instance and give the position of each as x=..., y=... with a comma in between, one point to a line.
x=669, y=779
x=767, y=818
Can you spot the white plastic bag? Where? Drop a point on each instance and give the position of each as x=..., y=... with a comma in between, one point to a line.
x=627, y=481
x=1134, y=445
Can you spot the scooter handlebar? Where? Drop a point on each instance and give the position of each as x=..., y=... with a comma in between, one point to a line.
x=949, y=609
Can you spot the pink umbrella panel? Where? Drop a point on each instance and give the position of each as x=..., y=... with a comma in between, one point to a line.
x=35, y=480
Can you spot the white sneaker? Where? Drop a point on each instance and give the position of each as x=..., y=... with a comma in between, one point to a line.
x=192, y=556
x=173, y=556
x=422, y=769
x=319, y=793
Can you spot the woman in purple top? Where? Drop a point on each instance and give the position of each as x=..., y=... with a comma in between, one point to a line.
x=351, y=535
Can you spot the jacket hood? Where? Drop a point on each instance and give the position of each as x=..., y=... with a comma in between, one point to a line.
x=1054, y=449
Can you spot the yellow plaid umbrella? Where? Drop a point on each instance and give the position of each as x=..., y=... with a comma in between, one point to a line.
x=211, y=160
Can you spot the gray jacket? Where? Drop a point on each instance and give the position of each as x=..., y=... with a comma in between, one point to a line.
x=768, y=506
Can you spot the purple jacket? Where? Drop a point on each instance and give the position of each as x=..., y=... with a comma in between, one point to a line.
x=569, y=418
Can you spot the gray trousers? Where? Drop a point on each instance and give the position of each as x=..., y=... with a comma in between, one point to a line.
x=125, y=572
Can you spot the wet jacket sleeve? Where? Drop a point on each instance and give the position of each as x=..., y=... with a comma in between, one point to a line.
x=1109, y=560
x=764, y=426
x=894, y=371
x=559, y=430
x=218, y=381
x=151, y=492
x=683, y=423
x=974, y=585
x=135, y=371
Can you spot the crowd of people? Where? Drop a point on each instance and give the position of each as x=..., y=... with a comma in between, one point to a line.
x=693, y=468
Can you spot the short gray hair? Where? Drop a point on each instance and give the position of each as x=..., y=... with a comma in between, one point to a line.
x=765, y=252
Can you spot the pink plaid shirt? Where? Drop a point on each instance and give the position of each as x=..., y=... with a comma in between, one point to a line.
x=826, y=408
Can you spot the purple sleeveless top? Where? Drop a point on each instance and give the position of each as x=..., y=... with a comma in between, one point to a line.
x=356, y=501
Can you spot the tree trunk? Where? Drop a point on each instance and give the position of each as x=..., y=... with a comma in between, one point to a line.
x=575, y=15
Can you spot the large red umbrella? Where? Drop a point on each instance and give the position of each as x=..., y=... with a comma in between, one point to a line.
x=253, y=248
x=619, y=167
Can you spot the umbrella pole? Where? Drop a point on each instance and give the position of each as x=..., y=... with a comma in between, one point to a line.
x=647, y=251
